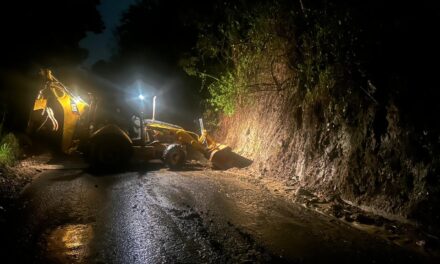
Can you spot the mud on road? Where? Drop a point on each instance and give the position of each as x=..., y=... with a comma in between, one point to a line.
x=160, y=216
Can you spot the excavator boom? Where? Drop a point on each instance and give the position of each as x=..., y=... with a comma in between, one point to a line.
x=72, y=106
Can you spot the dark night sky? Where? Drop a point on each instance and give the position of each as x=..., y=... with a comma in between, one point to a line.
x=100, y=45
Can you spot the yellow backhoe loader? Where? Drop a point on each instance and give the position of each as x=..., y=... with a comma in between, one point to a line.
x=108, y=144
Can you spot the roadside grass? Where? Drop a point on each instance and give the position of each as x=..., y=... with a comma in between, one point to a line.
x=9, y=148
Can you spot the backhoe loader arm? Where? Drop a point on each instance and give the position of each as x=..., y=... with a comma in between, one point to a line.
x=72, y=106
x=205, y=144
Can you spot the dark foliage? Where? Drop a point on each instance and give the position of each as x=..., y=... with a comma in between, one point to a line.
x=38, y=34
x=152, y=38
x=46, y=33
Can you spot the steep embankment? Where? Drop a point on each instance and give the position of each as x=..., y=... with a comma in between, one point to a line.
x=332, y=99
x=330, y=148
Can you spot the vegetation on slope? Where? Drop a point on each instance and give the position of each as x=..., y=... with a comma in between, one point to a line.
x=323, y=93
x=9, y=148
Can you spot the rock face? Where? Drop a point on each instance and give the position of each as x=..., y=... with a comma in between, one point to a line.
x=340, y=104
x=342, y=144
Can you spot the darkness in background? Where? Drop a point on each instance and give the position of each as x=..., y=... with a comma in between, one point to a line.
x=398, y=51
x=152, y=38
x=36, y=34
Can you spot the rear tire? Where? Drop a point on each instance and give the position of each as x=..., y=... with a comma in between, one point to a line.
x=174, y=156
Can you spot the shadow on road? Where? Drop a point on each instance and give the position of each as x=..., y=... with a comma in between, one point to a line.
x=229, y=160
x=143, y=168
x=70, y=177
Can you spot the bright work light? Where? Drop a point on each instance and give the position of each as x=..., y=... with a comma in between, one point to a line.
x=141, y=97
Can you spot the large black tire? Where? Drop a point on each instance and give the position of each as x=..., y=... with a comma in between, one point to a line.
x=109, y=153
x=174, y=156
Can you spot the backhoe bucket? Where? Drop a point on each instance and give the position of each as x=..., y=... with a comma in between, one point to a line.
x=224, y=158
x=220, y=158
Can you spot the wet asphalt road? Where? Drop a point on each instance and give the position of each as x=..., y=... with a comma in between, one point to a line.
x=160, y=216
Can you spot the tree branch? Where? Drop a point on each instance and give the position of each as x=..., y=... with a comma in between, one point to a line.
x=209, y=75
x=280, y=87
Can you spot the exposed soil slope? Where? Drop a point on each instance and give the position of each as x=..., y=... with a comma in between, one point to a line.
x=355, y=148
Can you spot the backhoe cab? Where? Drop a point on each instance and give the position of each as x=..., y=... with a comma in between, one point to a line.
x=108, y=144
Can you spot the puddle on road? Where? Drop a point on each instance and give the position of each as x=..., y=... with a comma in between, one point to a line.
x=68, y=243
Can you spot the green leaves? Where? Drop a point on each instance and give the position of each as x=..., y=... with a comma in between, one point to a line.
x=189, y=65
x=233, y=53
x=9, y=150
x=260, y=47
x=224, y=94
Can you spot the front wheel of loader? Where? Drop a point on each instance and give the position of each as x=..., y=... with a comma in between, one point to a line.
x=174, y=156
